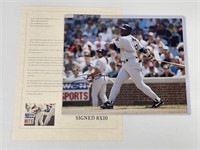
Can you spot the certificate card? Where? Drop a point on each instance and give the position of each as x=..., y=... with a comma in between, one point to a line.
x=38, y=106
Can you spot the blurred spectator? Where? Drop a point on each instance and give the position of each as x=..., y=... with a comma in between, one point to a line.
x=174, y=40
x=165, y=22
x=151, y=22
x=160, y=50
x=103, y=32
x=182, y=57
x=158, y=67
x=67, y=34
x=152, y=72
x=180, y=48
x=78, y=51
x=66, y=56
x=77, y=32
x=142, y=23
x=163, y=32
x=180, y=72
x=107, y=50
x=68, y=74
x=64, y=75
x=85, y=43
x=166, y=72
x=69, y=66
x=81, y=63
x=113, y=55
x=174, y=22
x=76, y=72
x=174, y=51
x=145, y=66
x=91, y=51
x=154, y=49
x=159, y=43
x=114, y=72
x=72, y=47
x=172, y=29
x=180, y=28
x=100, y=44
x=151, y=39
x=87, y=58
x=87, y=31
x=118, y=59
x=175, y=68
x=166, y=55
x=90, y=67
x=140, y=38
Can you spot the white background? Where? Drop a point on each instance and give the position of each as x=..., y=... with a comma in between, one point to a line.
x=141, y=132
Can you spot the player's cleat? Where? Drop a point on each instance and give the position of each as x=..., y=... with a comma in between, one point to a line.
x=107, y=105
x=157, y=103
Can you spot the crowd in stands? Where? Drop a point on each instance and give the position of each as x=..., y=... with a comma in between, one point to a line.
x=162, y=37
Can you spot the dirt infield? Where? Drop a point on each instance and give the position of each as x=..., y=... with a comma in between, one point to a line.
x=165, y=109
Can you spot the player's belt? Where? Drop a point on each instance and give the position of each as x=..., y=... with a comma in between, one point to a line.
x=98, y=75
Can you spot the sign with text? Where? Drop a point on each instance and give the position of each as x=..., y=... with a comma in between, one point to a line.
x=29, y=119
x=76, y=91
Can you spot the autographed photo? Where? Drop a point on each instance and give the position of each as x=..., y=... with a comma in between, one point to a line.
x=127, y=65
x=39, y=114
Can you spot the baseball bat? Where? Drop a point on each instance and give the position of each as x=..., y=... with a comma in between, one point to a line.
x=171, y=63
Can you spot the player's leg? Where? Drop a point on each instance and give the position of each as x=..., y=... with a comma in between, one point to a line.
x=102, y=93
x=96, y=87
x=49, y=115
x=122, y=76
x=138, y=80
x=47, y=119
x=41, y=119
x=37, y=118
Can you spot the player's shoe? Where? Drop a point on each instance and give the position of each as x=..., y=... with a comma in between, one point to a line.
x=107, y=105
x=157, y=103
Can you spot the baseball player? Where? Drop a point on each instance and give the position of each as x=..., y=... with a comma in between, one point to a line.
x=99, y=78
x=38, y=115
x=50, y=114
x=131, y=67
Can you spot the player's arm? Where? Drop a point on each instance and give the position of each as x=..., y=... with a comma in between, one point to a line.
x=113, y=46
x=117, y=43
x=96, y=71
x=144, y=51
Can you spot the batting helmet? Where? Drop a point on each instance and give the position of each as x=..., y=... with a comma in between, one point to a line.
x=126, y=29
x=102, y=51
